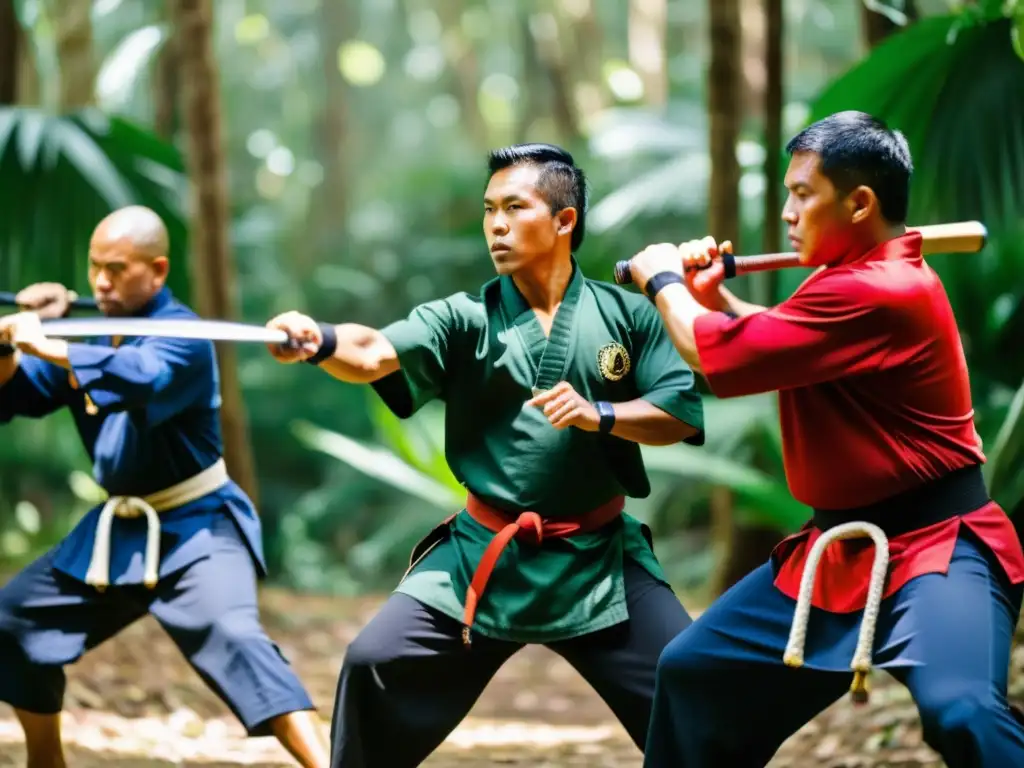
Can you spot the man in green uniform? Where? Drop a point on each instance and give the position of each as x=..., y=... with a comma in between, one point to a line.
x=551, y=381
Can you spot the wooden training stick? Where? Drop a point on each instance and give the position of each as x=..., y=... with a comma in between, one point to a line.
x=861, y=663
x=955, y=237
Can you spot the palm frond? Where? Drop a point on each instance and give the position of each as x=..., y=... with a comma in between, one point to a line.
x=1005, y=459
x=967, y=93
x=378, y=463
x=767, y=499
x=59, y=175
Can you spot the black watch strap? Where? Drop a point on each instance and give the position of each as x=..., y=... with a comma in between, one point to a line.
x=6, y=350
x=659, y=281
x=607, y=413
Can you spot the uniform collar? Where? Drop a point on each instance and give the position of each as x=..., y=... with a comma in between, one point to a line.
x=158, y=302
x=903, y=247
x=515, y=304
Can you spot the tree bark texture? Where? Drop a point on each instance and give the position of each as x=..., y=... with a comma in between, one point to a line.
x=76, y=57
x=212, y=270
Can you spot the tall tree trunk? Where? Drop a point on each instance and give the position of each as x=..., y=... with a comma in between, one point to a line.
x=725, y=87
x=213, y=275
x=583, y=28
x=546, y=34
x=749, y=546
x=531, y=106
x=76, y=59
x=10, y=56
x=774, y=98
x=465, y=63
x=28, y=72
x=742, y=547
x=647, y=33
x=167, y=85
x=331, y=206
x=876, y=27
x=19, y=78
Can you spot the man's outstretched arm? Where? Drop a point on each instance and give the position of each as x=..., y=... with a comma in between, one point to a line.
x=349, y=352
x=406, y=362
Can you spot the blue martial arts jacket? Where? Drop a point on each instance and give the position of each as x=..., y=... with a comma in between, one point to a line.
x=156, y=422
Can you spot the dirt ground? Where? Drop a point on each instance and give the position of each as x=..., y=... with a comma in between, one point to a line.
x=134, y=702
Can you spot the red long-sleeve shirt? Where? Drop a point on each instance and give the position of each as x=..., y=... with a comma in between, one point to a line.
x=874, y=399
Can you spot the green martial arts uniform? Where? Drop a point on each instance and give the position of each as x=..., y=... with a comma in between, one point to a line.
x=484, y=356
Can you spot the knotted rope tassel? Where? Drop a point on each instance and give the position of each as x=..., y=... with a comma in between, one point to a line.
x=98, y=574
x=861, y=663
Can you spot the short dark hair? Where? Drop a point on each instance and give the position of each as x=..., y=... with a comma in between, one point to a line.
x=857, y=149
x=561, y=183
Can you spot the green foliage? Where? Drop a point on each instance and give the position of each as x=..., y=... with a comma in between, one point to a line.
x=963, y=117
x=44, y=488
x=61, y=175
x=356, y=199
x=403, y=467
x=743, y=453
x=1006, y=457
x=410, y=461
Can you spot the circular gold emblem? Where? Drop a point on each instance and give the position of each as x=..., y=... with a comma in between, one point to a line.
x=613, y=361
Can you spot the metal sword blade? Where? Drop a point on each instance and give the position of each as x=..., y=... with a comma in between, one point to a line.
x=169, y=328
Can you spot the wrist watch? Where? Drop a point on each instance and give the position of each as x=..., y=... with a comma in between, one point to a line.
x=607, y=413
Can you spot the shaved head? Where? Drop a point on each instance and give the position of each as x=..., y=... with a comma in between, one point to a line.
x=128, y=261
x=136, y=227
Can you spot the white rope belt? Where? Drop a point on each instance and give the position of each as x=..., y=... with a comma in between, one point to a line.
x=861, y=663
x=209, y=480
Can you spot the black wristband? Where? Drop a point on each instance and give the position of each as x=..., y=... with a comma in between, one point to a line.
x=327, y=346
x=6, y=350
x=607, y=413
x=659, y=281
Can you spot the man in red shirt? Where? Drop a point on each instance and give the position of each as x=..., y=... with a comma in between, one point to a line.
x=877, y=426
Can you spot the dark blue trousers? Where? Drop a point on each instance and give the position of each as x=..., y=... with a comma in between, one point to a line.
x=725, y=698
x=209, y=609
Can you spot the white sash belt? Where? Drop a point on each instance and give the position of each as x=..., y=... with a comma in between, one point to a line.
x=209, y=480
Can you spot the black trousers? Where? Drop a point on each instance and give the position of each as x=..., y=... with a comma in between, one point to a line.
x=407, y=680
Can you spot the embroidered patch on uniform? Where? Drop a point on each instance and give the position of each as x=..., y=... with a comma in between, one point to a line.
x=613, y=361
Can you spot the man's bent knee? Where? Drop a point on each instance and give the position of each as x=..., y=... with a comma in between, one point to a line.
x=366, y=650
x=247, y=671
x=957, y=712
x=386, y=637
x=681, y=658
x=36, y=689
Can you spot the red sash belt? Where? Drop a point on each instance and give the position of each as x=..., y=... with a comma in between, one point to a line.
x=528, y=526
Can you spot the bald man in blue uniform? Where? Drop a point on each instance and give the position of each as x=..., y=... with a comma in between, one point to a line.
x=177, y=539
